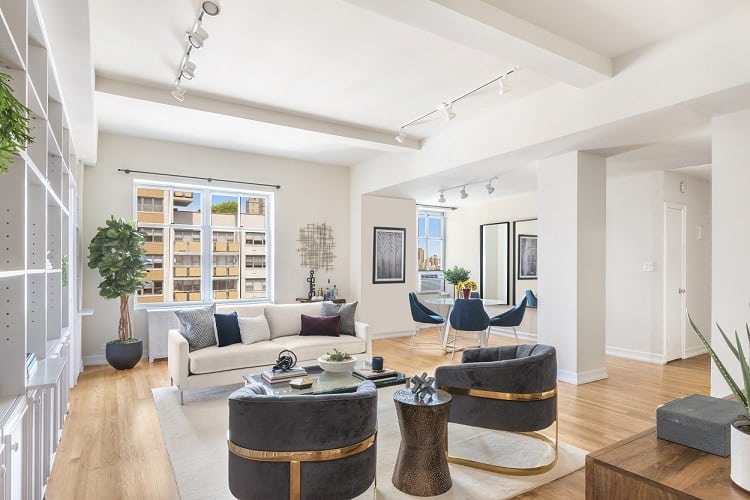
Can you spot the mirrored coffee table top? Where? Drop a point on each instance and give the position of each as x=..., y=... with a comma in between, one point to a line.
x=323, y=382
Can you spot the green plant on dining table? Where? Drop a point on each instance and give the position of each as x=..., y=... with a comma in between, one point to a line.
x=737, y=350
x=456, y=275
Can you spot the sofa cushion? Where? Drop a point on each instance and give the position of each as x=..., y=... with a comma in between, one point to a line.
x=254, y=329
x=227, y=329
x=346, y=311
x=214, y=359
x=311, y=347
x=285, y=319
x=320, y=325
x=198, y=327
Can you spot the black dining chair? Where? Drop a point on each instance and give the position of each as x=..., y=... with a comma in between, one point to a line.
x=423, y=317
x=468, y=315
x=510, y=318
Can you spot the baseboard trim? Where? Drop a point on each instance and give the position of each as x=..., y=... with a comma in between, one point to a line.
x=648, y=357
x=102, y=360
x=504, y=332
x=387, y=335
x=695, y=351
x=578, y=378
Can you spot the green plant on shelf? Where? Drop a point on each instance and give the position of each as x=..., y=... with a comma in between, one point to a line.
x=337, y=355
x=14, y=125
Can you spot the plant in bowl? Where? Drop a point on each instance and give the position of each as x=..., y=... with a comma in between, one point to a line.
x=337, y=361
x=740, y=431
x=116, y=251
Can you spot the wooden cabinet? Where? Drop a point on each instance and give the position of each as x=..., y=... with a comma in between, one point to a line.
x=40, y=221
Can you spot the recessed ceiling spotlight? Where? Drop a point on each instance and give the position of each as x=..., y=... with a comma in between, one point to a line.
x=442, y=198
x=463, y=193
x=489, y=187
x=187, y=70
x=504, y=85
x=401, y=137
x=197, y=37
x=211, y=7
x=447, y=110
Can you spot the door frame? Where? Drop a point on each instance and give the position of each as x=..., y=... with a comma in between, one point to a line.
x=682, y=207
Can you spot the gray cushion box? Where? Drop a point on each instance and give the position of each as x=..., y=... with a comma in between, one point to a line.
x=697, y=421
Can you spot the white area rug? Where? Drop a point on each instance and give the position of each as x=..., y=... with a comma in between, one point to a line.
x=195, y=435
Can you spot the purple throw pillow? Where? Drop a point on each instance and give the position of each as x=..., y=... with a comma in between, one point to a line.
x=320, y=325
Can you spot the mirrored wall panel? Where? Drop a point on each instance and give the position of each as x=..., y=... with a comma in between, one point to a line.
x=495, y=261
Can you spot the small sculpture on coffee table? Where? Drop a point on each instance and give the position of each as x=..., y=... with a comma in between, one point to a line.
x=285, y=361
x=423, y=386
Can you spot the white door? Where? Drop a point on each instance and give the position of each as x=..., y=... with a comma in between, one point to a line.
x=674, y=281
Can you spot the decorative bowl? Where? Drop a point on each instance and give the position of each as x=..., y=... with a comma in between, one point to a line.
x=337, y=366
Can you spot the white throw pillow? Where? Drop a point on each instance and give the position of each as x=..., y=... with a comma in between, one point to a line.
x=254, y=329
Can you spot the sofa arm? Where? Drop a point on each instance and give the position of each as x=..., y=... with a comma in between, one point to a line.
x=362, y=330
x=177, y=357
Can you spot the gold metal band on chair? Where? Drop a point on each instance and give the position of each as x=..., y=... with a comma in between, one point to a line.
x=295, y=457
x=503, y=396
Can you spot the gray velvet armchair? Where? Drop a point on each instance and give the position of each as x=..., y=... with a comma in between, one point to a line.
x=302, y=446
x=509, y=388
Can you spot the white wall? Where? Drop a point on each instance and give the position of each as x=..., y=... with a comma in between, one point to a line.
x=309, y=193
x=730, y=291
x=385, y=306
x=635, y=236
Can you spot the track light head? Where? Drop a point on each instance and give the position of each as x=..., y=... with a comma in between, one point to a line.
x=504, y=85
x=447, y=110
x=197, y=37
x=489, y=187
x=401, y=137
x=187, y=70
x=211, y=7
x=179, y=93
x=442, y=198
x=463, y=193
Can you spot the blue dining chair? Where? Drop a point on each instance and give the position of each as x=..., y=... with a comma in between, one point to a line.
x=474, y=295
x=423, y=317
x=530, y=298
x=468, y=315
x=510, y=318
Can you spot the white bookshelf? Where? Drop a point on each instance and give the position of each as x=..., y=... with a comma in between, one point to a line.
x=39, y=228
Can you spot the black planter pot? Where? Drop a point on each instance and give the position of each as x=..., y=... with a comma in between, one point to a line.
x=124, y=356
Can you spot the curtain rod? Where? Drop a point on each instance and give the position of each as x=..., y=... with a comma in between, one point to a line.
x=207, y=179
x=437, y=207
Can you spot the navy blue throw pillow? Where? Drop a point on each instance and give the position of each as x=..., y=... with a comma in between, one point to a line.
x=227, y=329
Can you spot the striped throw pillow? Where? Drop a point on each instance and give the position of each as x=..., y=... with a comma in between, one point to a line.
x=254, y=329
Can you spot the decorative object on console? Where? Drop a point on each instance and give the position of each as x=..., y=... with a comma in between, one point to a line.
x=285, y=361
x=311, y=284
x=316, y=247
x=422, y=386
x=116, y=251
x=15, y=132
x=345, y=312
x=740, y=428
x=337, y=361
x=388, y=255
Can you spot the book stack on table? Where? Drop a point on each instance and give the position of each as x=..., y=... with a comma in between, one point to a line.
x=375, y=375
x=274, y=377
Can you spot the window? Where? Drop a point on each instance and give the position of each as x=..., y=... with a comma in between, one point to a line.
x=430, y=241
x=204, y=245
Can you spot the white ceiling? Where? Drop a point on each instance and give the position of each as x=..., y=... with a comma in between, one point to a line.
x=332, y=81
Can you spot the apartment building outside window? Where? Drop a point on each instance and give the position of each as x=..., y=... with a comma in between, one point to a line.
x=430, y=241
x=204, y=244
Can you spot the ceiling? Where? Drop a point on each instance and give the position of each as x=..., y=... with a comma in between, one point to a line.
x=332, y=81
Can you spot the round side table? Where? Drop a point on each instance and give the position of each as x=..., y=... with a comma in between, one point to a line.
x=422, y=465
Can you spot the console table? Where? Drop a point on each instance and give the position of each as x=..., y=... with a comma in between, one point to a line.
x=306, y=300
x=643, y=466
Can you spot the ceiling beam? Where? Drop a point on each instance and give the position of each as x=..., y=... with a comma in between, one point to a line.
x=479, y=25
x=349, y=134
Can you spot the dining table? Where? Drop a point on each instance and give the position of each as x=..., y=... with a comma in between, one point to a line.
x=447, y=301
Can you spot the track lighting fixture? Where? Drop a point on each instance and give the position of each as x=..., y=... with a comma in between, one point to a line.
x=211, y=7
x=194, y=39
x=489, y=187
x=447, y=107
x=442, y=198
x=463, y=193
x=447, y=110
x=197, y=37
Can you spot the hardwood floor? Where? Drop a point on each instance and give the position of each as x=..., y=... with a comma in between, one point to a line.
x=112, y=445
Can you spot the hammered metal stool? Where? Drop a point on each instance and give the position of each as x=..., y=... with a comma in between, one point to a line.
x=422, y=465
x=302, y=446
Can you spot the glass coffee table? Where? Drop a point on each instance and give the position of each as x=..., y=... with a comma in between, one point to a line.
x=323, y=382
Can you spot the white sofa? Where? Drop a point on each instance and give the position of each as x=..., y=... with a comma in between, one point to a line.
x=216, y=366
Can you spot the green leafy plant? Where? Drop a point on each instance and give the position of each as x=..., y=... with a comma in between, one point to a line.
x=116, y=251
x=337, y=355
x=456, y=275
x=739, y=353
x=14, y=125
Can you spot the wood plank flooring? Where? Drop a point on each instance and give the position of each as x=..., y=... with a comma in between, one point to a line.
x=112, y=447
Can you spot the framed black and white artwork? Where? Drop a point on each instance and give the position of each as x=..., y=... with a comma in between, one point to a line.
x=527, y=257
x=388, y=255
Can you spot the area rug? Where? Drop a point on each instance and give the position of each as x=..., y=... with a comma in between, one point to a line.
x=195, y=435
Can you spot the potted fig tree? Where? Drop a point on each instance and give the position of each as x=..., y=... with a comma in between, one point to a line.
x=740, y=430
x=116, y=251
x=15, y=132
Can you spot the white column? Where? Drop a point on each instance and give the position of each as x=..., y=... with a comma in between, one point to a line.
x=730, y=238
x=572, y=203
